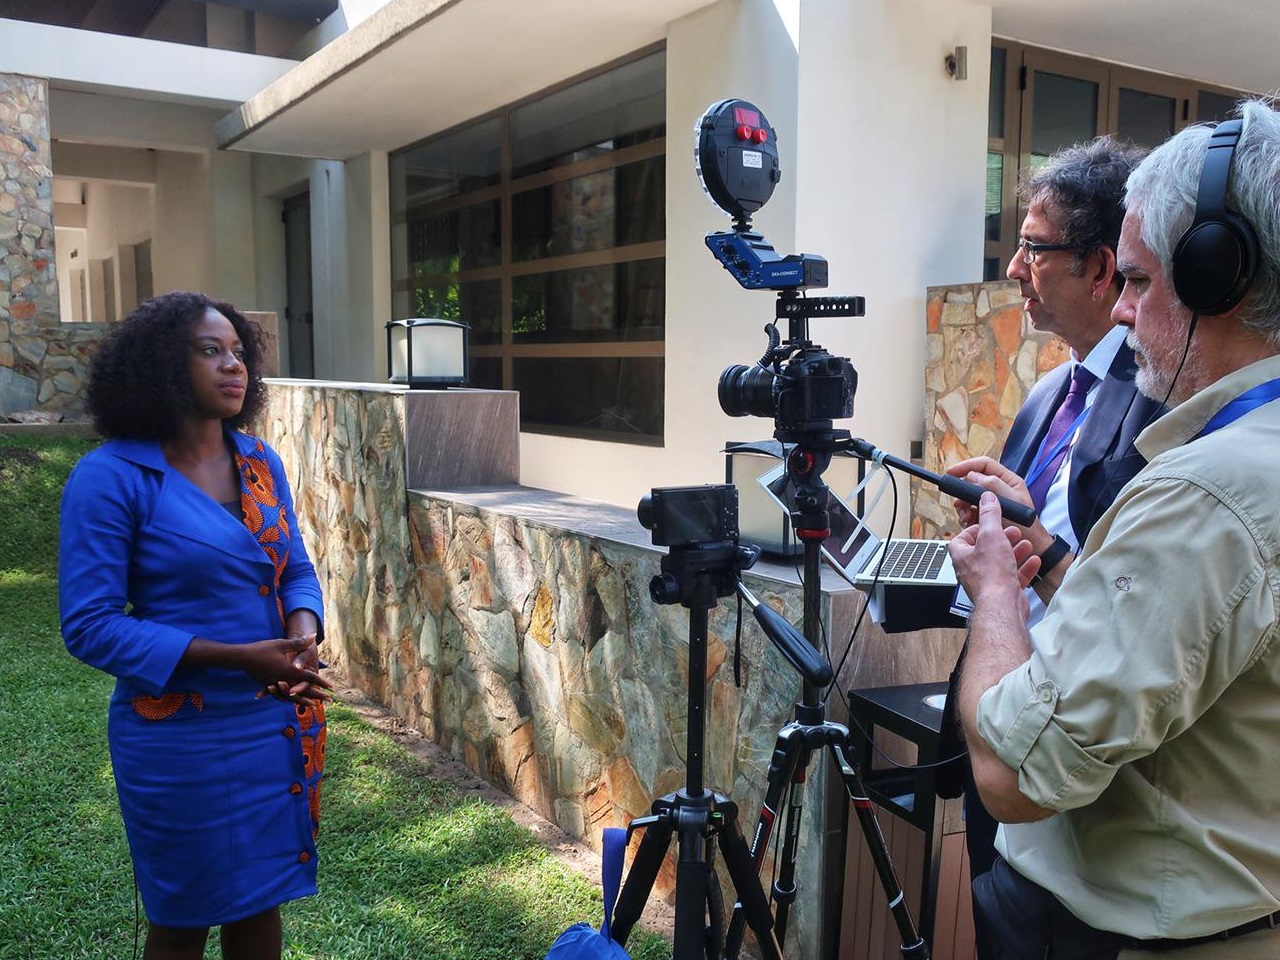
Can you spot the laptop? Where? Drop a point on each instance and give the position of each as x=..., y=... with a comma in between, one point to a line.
x=857, y=554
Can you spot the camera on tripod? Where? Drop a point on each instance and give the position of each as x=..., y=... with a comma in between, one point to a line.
x=814, y=386
x=797, y=383
x=684, y=516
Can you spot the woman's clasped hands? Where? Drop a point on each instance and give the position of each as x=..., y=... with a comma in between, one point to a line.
x=289, y=669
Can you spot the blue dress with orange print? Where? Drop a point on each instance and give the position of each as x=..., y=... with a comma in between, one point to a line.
x=219, y=789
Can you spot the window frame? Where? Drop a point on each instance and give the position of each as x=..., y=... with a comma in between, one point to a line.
x=508, y=351
x=1021, y=63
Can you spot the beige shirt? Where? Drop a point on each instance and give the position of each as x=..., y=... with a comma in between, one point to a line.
x=1148, y=714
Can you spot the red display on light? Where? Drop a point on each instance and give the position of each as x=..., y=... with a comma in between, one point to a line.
x=761, y=135
x=750, y=118
x=743, y=132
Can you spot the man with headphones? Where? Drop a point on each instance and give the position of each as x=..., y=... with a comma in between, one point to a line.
x=1128, y=742
x=1073, y=437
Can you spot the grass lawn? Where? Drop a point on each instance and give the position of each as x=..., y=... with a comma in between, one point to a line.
x=409, y=867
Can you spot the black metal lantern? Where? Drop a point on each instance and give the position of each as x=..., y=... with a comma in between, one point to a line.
x=428, y=353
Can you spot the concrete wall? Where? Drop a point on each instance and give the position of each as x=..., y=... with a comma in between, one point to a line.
x=174, y=71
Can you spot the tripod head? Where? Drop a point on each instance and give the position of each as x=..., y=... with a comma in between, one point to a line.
x=700, y=525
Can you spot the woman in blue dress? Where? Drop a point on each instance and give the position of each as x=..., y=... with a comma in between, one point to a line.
x=182, y=574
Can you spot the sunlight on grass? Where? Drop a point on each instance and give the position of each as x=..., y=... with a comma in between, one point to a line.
x=25, y=578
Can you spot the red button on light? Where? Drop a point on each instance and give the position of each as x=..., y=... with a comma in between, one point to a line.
x=760, y=136
x=744, y=132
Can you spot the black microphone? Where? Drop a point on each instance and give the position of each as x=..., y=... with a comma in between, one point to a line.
x=811, y=665
x=1011, y=510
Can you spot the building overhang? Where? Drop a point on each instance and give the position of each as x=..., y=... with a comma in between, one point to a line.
x=420, y=66
x=1230, y=44
x=417, y=67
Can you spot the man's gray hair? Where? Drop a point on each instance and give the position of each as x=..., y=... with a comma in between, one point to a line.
x=1163, y=189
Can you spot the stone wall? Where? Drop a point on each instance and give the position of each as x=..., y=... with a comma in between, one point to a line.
x=531, y=651
x=42, y=361
x=983, y=356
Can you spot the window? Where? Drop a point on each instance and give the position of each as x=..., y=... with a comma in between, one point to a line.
x=1041, y=101
x=543, y=226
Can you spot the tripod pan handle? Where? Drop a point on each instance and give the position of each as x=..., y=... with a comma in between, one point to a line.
x=811, y=665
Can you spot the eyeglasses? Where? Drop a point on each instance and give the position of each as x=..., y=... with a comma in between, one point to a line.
x=1028, y=249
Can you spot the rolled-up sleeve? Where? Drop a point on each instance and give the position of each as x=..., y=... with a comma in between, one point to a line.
x=1138, y=642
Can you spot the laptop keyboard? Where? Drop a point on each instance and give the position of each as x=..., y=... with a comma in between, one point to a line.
x=913, y=561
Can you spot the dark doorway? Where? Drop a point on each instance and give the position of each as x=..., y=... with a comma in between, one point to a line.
x=297, y=311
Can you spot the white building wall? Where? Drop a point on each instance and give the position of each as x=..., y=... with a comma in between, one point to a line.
x=182, y=256
x=347, y=16
x=236, y=259
x=883, y=173
x=891, y=184
x=351, y=267
x=105, y=119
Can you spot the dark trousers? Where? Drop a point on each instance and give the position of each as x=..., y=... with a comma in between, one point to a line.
x=980, y=842
x=1023, y=921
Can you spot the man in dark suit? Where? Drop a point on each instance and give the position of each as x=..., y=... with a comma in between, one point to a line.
x=1072, y=440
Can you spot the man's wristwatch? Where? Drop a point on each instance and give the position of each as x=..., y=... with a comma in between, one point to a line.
x=1051, y=557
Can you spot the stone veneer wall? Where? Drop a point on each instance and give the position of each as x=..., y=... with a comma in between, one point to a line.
x=42, y=360
x=532, y=653
x=982, y=356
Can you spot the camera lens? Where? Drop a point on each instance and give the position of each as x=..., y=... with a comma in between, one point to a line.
x=644, y=511
x=746, y=391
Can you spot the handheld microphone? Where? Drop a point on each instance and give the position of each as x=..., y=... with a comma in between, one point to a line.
x=1011, y=510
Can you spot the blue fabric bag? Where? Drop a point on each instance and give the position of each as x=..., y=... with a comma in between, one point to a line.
x=582, y=941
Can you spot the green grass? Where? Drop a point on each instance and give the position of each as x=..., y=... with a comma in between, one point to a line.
x=409, y=867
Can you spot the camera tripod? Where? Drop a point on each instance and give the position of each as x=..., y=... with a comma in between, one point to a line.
x=809, y=732
x=696, y=576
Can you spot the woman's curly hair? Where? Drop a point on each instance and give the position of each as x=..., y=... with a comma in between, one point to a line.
x=140, y=379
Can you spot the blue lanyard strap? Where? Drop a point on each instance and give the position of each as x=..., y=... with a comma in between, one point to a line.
x=1043, y=459
x=1237, y=408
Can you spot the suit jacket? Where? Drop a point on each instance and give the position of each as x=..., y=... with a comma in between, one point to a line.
x=1103, y=459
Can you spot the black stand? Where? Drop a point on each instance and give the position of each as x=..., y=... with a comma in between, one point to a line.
x=808, y=732
x=694, y=814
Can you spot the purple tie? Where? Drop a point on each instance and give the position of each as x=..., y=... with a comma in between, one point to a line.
x=1068, y=413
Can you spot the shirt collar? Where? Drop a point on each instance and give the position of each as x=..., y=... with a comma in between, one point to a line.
x=1103, y=354
x=1188, y=418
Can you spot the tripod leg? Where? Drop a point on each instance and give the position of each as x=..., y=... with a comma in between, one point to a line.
x=752, y=907
x=782, y=766
x=913, y=945
x=640, y=878
x=693, y=879
x=784, y=888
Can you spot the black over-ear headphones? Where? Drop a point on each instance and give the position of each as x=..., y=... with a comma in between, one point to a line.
x=1216, y=258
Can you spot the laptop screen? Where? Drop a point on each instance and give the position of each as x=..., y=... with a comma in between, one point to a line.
x=849, y=545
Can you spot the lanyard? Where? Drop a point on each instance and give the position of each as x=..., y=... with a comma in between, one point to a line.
x=1237, y=408
x=1043, y=459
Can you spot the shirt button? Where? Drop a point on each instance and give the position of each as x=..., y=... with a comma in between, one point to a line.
x=1046, y=696
x=295, y=788
x=304, y=857
x=289, y=732
x=263, y=591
